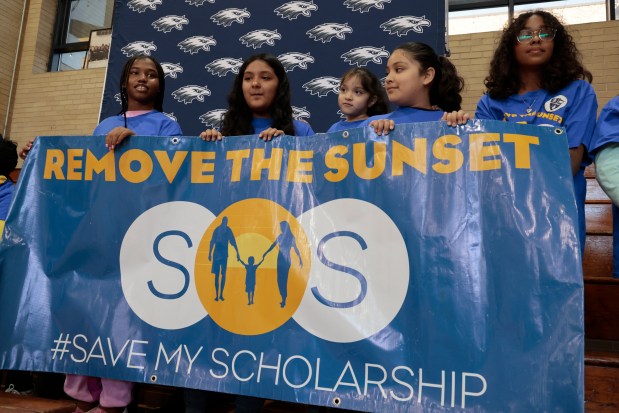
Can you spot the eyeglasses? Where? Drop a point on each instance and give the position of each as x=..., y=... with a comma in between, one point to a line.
x=544, y=34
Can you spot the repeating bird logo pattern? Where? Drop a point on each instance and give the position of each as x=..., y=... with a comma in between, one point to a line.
x=201, y=45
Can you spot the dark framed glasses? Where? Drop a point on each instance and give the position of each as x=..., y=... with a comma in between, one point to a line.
x=544, y=34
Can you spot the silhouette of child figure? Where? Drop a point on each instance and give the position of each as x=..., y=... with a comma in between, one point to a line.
x=250, y=277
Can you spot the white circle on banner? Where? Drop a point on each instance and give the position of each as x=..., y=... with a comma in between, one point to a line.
x=334, y=306
x=157, y=260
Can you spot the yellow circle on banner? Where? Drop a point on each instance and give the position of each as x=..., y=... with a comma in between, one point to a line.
x=259, y=295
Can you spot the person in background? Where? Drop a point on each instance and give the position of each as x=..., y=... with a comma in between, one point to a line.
x=8, y=162
x=604, y=148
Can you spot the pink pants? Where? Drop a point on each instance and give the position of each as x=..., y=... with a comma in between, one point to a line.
x=108, y=392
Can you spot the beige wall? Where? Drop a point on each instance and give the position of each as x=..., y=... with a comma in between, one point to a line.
x=67, y=103
x=10, y=19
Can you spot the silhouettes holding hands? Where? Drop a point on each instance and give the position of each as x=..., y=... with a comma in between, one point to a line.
x=218, y=254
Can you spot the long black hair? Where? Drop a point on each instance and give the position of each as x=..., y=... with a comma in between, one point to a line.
x=446, y=85
x=124, y=99
x=237, y=120
x=564, y=66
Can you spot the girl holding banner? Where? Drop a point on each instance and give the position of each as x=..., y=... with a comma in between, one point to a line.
x=142, y=87
x=536, y=77
x=422, y=84
x=361, y=96
x=259, y=103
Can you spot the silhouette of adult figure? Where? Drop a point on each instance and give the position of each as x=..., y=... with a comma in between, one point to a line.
x=286, y=242
x=218, y=254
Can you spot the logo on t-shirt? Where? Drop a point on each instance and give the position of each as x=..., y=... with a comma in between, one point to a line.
x=555, y=103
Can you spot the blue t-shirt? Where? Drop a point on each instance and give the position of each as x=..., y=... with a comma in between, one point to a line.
x=607, y=129
x=300, y=128
x=153, y=123
x=408, y=115
x=343, y=125
x=574, y=107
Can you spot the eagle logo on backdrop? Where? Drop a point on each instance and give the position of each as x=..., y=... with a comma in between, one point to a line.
x=198, y=2
x=223, y=66
x=361, y=56
x=213, y=118
x=198, y=41
x=321, y=86
x=189, y=93
x=403, y=24
x=141, y=5
x=139, y=47
x=228, y=16
x=295, y=59
x=194, y=44
x=300, y=113
x=294, y=9
x=365, y=5
x=171, y=69
x=171, y=116
x=167, y=23
x=327, y=31
x=257, y=38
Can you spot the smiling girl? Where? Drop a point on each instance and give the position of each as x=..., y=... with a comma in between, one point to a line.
x=259, y=103
x=422, y=84
x=536, y=77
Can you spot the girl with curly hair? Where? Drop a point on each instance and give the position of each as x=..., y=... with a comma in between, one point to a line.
x=422, y=84
x=537, y=77
x=259, y=103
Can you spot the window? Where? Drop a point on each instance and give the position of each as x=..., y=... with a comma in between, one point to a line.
x=74, y=21
x=473, y=16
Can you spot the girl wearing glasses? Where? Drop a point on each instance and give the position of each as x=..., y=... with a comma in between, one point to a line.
x=537, y=77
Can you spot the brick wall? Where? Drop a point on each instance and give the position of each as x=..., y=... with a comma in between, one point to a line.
x=62, y=103
x=50, y=103
x=10, y=20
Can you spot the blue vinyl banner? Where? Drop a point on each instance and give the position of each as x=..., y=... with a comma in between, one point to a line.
x=435, y=269
x=202, y=43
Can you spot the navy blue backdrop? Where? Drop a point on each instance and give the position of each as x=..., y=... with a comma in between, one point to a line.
x=202, y=43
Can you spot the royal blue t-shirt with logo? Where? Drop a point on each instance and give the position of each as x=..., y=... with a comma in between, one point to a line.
x=574, y=108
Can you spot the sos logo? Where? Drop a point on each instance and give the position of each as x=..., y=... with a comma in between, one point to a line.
x=340, y=270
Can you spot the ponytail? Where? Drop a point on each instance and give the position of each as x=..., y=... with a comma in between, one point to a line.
x=447, y=85
x=445, y=93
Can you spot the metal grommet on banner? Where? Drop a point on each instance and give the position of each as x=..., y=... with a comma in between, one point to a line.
x=176, y=140
x=559, y=131
x=345, y=134
x=153, y=378
x=337, y=401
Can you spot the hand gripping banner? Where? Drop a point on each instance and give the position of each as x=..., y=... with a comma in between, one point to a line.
x=434, y=269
